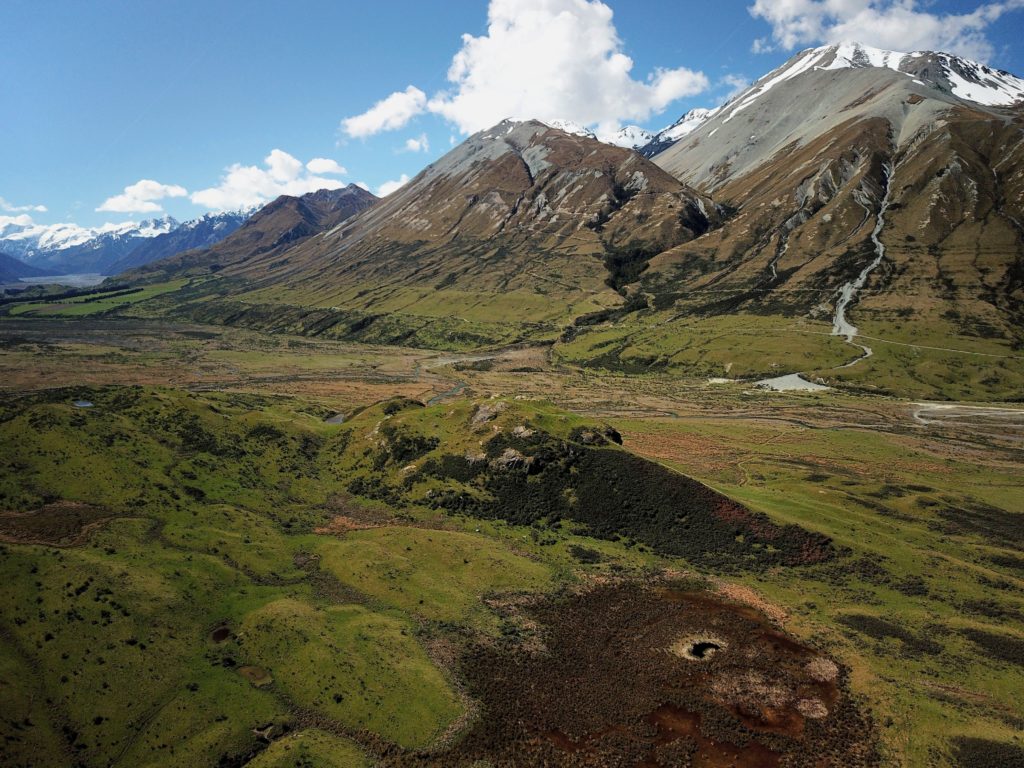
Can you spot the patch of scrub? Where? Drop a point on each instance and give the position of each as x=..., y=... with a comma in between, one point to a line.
x=734, y=690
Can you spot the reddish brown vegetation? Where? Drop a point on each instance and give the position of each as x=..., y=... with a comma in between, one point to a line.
x=606, y=689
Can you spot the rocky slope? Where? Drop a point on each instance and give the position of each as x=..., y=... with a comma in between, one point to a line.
x=817, y=153
x=522, y=222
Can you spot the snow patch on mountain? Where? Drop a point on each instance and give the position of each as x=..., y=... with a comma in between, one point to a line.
x=569, y=126
x=630, y=137
x=686, y=124
x=981, y=84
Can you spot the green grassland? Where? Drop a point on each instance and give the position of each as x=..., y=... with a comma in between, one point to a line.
x=218, y=511
x=935, y=359
x=927, y=565
x=926, y=360
x=98, y=302
x=212, y=502
x=310, y=748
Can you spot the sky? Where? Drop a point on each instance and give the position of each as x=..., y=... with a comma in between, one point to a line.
x=117, y=110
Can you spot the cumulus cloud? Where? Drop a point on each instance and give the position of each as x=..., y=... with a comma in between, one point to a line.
x=243, y=186
x=142, y=197
x=325, y=165
x=735, y=83
x=388, y=187
x=417, y=144
x=547, y=59
x=893, y=24
x=388, y=114
x=21, y=220
x=8, y=207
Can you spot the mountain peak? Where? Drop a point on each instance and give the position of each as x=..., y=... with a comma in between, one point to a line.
x=963, y=78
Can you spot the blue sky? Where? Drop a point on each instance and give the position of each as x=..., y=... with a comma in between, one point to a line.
x=100, y=96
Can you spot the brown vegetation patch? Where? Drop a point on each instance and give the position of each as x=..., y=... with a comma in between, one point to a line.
x=609, y=687
x=258, y=676
x=60, y=524
x=353, y=517
x=740, y=594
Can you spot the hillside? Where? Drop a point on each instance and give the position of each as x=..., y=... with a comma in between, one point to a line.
x=11, y=269
x=279, y=225
x=870, y=196
x=512, y=234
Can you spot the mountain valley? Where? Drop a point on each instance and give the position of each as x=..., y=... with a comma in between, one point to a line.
x=693, y=447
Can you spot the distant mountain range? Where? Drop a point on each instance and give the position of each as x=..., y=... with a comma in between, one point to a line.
x=69, y=248
x=276, y=227
x=113, y=248
x=197, y=233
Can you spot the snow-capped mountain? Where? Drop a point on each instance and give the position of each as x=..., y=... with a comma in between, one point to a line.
x=71, y=248
x=202, y=232
x=666, y=137
x=850, y=166
x=964, y=78
x=630, y=137
x=568, y=126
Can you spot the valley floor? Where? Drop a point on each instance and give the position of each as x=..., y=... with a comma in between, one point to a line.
x=344, y=626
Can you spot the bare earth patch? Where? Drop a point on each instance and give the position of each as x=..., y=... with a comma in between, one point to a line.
x=60, y=524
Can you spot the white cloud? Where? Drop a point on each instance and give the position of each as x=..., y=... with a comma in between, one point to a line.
x=418, y=144
x=387, y=114
x=388, y=187
x=325, y=165
x=11, y=208
x=546, y=59
x=363, y=185
x=892, y=24
x=142, y=197
x=247, y=185
x=554, y=59
x=21, y=220
x=736, y=84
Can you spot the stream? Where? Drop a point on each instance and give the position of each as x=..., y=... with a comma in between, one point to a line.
x=840, y=325
x=847, y=293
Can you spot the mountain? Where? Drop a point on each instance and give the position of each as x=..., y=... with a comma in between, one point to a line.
x=11, y=269
x=69, y=248
x=279, y=225
x=631, y=137
x=852, y=204
x=567, y=126
x=197, y=233
x=880, y=193
x=521, y=226
x=666, y=137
